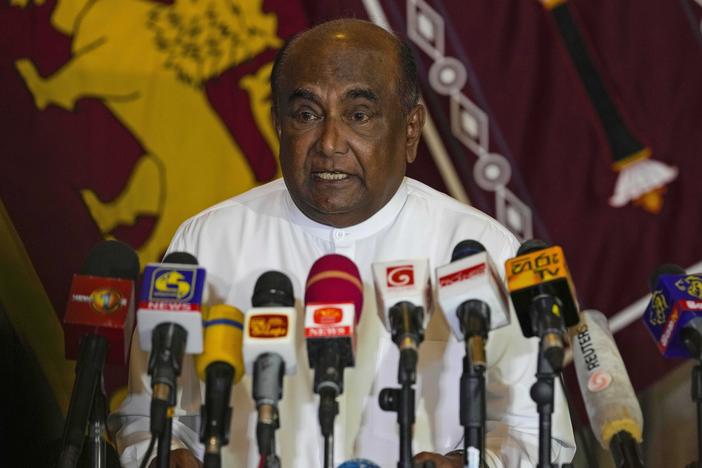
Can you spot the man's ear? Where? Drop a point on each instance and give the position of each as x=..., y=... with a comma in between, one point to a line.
x=276, y=120
x=415, y=124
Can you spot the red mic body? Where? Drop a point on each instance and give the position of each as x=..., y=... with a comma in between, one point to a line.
x=100, y=306
x=98, y=326
x=333, y=304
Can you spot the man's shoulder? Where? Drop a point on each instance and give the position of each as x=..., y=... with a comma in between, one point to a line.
x=443, y=206
x=264, y=201
x=259, y=200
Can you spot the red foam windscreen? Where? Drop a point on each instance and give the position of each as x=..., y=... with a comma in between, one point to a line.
x=335, y=278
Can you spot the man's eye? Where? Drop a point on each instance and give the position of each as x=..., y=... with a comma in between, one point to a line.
x=360, y=117
x=306, y=116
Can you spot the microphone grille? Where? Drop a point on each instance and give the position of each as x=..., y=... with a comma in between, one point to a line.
x=335, y=278
x=111, y=259
x=466, y=248
x=532, y=245
x=273, y=288
x=183, y=258
x=665, y=269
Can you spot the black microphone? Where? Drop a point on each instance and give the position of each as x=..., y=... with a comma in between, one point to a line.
x=544, y=298
x=474, y=301
x=269, y=351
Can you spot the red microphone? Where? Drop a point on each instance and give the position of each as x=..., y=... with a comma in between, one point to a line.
x=335, y=278
x=333, y=304
x=97, y=328
x=101, y=301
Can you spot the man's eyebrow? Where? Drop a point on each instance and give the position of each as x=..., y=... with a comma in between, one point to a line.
x=303, y=93
x=365, y=93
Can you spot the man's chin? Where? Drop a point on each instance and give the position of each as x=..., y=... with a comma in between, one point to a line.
x=337, y=214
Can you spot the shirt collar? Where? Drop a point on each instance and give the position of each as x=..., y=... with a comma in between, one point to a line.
x=384, y=217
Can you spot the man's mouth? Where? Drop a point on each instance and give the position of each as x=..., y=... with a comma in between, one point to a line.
x=331, y=176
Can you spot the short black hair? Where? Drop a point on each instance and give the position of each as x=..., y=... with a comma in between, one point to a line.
x=408, y=81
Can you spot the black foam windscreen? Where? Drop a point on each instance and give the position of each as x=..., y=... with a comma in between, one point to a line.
x=531, y=245
x=273, y=288
x=184, y=258
x=665, y=269
x=111, y=259
x=466, y=248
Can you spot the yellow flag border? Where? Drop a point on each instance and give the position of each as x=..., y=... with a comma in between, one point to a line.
x=30, y=311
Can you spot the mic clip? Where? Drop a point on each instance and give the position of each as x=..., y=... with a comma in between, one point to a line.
x=406, y=322
x=474, y=317
x=548, y=324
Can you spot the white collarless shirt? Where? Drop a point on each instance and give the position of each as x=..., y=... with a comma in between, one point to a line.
x=260, y=230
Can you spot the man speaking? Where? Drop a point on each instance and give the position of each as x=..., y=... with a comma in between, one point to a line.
x=345, y=104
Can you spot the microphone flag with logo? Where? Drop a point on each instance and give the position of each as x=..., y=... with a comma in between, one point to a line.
x=333, y=305
x=97, y=326
x=674, y=314
x=269, y=351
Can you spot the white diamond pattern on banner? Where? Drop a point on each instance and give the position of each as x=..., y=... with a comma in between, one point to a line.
x=469, y=123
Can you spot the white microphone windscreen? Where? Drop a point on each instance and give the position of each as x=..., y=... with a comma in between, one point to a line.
x=609, y=397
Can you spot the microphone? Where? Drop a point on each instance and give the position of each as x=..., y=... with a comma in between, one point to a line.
x=474, y=300
x=220, y=365
x=543, y=294
x=674, y=314
x=97, y=327
x=403, y=292
x=610, y=401
x=333, y=305
x=269, y=351
x=169, y=323
x=358, y=463
x=472, y=296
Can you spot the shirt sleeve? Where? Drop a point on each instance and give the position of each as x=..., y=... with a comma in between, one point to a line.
x=512, y=419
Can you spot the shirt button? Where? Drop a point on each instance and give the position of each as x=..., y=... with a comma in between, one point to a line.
x=338, y=235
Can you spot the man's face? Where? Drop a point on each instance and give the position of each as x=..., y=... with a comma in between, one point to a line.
x=344, y=139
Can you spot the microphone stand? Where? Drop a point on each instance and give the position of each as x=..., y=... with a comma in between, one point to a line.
x=98, y=416
x=549, y=329
x=696, y=393
x=407, y=332
x=474, y=316
x=401, y=401
x=472, y=409
x=269, y=369
x=329, y=381
x=163, y=454
x=542, y=393
x=165, y=365
x=91, y=361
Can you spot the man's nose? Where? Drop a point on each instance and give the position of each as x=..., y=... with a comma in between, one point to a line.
x=333, y=141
